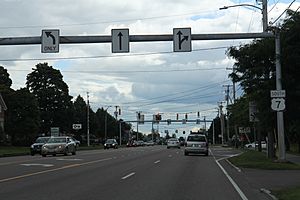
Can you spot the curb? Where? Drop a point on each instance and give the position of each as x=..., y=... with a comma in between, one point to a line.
x=268, y=192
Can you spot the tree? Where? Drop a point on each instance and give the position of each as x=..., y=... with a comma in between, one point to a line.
x=5, y=81
x=52, y=94
x=255, y=70
x=23, y=117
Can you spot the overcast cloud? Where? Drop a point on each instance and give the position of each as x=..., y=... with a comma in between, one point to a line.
x=151, y=78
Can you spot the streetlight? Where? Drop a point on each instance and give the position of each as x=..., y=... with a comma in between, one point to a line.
x=105, y=122
x=263, y=10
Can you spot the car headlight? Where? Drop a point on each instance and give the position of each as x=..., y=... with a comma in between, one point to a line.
x=44, y=147
x=104, y=144
x=113, y=144
x=32, y=146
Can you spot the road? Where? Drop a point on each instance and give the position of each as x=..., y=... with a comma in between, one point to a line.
x=124, y=173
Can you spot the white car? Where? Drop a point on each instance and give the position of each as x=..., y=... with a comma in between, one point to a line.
x=196, y=144
x=255, y=144
x=173, y=143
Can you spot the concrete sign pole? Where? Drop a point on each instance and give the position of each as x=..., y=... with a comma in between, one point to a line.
x=280, y=122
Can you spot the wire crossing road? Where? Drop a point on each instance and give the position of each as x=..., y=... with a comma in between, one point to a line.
x=125, y=173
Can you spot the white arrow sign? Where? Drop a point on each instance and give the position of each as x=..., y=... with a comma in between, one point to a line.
x=182, y=40
x=120, y=40
x=50, y=41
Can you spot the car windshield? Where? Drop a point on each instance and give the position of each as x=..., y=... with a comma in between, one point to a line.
x=42, y=140
x=110, y=141
x=57, y=140
x=173, y=140
x=196, y=138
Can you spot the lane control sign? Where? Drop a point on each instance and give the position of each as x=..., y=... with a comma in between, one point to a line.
x=120, y=40
x=50, y=41
x=182, y=40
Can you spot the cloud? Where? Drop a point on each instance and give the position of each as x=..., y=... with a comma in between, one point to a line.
x=151, y=70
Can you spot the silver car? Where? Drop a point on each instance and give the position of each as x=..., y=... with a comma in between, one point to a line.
x=196, y=143
x=173, y=143
x=59, y=145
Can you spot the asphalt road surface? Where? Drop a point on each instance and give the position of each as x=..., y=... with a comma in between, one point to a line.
x=126, y=173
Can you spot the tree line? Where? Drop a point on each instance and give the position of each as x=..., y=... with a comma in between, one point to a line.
x=45, y=102
x=255, y=71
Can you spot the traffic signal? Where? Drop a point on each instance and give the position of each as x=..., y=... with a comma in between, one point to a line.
x=198, y=114
x=177, y=116
x=186, y=116
x=158, y=117
x=183, y=132
x=119, y=111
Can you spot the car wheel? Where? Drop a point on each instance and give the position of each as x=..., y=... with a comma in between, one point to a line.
x=186, y=153
x=206, y=154
x=168, y=147
x=32, y=153
x=44, y=155
x=74, y=152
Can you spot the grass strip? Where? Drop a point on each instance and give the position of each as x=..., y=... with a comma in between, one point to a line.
x=259, y=160
x=288, y=193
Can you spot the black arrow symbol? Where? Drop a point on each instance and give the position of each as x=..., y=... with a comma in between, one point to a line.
x=49, y=34
x=120, y=40
x=181, y=40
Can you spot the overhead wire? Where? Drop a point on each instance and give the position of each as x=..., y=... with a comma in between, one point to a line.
x=105, y=56
x=283, y=12
x=106, y=22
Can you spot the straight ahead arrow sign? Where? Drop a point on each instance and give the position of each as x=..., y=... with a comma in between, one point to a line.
x=120, y=40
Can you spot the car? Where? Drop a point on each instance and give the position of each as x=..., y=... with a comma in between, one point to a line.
x=130, y=143
x=36, y=147
x=173, y=143
x=181, y=141
x=111, y=143
x=255, y=144
x=76, y=141
x=140, y=143
x=196, y=144
x=59, y=145
x=149, y=143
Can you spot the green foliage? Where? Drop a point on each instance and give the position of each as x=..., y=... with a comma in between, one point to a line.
x=5, y=81
x=292, y=193
x=52, y=94
x=255, y=70
x=259, y=160
x=22, y=122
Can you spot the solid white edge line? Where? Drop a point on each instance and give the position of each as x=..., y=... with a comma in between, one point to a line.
x=236, y=187
x=242, y=195
x=129, y=175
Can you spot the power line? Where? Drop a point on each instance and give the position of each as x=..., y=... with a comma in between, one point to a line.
x=107, y=56
x=106, y=22
x=283, y=12
x=274, y=6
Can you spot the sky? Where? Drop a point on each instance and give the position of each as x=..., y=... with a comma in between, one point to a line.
x=151, y=78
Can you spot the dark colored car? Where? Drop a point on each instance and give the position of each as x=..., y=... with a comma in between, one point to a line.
x=110, y=143
x=36, y=147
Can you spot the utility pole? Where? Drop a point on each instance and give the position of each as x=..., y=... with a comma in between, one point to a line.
x=280, y=122
x=222, y=121
x=105, y=123
x=227, y=97
x=88, y=119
